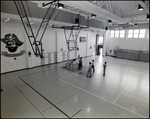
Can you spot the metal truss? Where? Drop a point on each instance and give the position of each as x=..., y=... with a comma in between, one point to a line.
x=112, y=7
x=84, y=13
x=35, y=40
x=71, y=40
x=76, y=10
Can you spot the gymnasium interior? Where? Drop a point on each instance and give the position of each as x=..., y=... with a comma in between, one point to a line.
x=75, y=59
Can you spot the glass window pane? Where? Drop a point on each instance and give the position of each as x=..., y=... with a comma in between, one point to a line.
x=135, y=35
x=116, y=35
x=117, y=32
x=141, y=35
x=129, y=35
x=136, y=31
x=142, y=31
x=100, y=41
x=112, y=33
x=122, y=31
x=130, y=31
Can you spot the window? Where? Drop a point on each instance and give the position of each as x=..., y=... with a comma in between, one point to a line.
x=100, y=41
x=136, y=33
x=142, y=33
x=116, y=33
x=112, y=34
x=130, y=33
x=122, y=33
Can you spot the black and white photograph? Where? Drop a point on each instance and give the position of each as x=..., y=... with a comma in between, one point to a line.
x=74, y=59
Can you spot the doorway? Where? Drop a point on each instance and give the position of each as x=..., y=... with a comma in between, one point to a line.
x=99, y=45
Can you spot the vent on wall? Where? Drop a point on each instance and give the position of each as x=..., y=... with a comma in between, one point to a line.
x=7, y=20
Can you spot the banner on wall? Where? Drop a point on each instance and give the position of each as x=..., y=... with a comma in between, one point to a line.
x=13, y=55
x=12, y=43
x=82, y=39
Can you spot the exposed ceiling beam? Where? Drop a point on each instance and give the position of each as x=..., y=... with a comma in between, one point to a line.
x=90, y=7
x=85, y=8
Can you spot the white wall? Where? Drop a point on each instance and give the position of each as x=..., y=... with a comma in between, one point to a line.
x=139, y=44
x=91, y=43
x=53, y=41
x=82, y=45
x=8, y=63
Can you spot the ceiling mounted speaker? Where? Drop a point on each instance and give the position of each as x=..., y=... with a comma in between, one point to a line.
x=77, y=21
x=106, y=28
x=109, y=21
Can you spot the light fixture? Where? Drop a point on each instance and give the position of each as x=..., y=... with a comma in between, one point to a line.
x=93, y=15
x=60, y=6
x=147, y=17
x=77, y=21
x=109, y=22
x=140, y=8
x=135, y=24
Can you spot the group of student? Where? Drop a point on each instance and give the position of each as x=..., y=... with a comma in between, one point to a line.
x=91, y=66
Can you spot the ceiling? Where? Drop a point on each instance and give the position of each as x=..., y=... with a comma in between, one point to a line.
x=119, y=12
x=108, y=10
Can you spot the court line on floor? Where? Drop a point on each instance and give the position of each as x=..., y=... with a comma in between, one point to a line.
x=63, y=100
x=76, y=113
x=58, y=78
x=26, y=97
x=47, y=99
x=49, y=80
x=122, y=92
x=102, y=98
x=40, y=71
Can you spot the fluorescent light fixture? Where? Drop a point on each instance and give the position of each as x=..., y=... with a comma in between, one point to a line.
x=140, y=8
x=7, y=20
x=60, y=6
x=147, y=17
